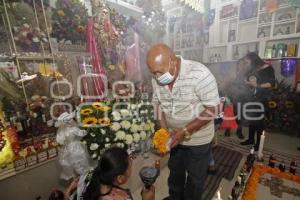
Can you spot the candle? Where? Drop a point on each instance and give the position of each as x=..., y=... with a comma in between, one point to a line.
x=261, y=145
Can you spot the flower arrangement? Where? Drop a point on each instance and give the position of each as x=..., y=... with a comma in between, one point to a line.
x=69, y=21
x=258, y=171
x=124, y=127
x=160, y=140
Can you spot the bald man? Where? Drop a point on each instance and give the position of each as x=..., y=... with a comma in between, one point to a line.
x=186, y=93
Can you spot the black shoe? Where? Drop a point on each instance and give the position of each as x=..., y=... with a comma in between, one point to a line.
x=247, y=142
x=240, y=134
x=227, y=133
x=256, y=147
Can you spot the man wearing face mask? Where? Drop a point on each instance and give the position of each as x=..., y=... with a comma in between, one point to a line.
x=187, y=96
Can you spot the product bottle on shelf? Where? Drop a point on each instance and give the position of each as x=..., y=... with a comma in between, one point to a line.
x=236, y=55
x=256, y=48
x=250, y=160
x=288, y=30
x=284, y=51
x=261, y=33
x=274, y=51
x=293, y=167
x=282, y=166
x=272, y=161
x=216, y=58
x=219, y=58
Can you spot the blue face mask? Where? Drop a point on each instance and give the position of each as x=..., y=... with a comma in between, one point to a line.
x=166, y=78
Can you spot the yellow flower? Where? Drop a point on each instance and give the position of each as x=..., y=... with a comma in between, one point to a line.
x=61, y=13
x=272, y=104
x=77, y=17
x=105, y=108
x=89, y=121
x=160, y=140
x=112, y=67
x=289, y=104
x=104, y=121
x=86, y=111
x=97, y=105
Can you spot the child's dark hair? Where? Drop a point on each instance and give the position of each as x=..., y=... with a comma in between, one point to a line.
x=57, y=195
x=255, y=60
x=114, y=162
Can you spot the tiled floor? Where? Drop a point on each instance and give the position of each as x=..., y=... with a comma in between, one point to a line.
x=276, y=141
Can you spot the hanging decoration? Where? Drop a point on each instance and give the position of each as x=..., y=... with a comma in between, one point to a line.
x=271, y=6
x=288, y=67
x=248, y=9
x=97, y=68
x=295, y=3
x=297, y=76
x=211, y=17
x=69, y=21
x=197, y=5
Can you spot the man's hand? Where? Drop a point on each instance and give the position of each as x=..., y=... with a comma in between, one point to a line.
x=177, y=136
x=251, y=83
x=148, y=194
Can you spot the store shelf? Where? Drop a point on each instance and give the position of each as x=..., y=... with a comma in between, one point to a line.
x=282, y=58
x=229, y=18
x=265, y=24
x=12, y=172
x=292, y=20
x=244, y=21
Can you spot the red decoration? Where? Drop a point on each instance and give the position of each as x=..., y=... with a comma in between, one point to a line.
x=297, y=76
x=229, y=118
x=13, y=139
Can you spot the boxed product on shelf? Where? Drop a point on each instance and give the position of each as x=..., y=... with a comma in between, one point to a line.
x=31, y=160
x=42, y=156
x=52, y=152
x=20, y=164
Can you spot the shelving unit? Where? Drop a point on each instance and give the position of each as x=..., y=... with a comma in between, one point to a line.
x=182, y=35
x=262, y=29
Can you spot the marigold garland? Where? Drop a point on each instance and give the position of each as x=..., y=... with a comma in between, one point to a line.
x=105, y=108
x=257, y=172
x=160, y=140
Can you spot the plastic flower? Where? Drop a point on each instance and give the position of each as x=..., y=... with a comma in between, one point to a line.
x=112, y=67
x=160, y=140
x=86, y=111
x=77, y=17
x=120, y=135
x=104, y=121
x=94, y=155
x=94, y=146
x=125, y=124
x=115, y=126
x=106, y=139
x=147, y=127
x=90, y=121
x=103, y=131
x=143, y=135
x=107, y=145
x=97, y=105
x=136, y=137
x=61, y=13
x=128, y=139
x=80, y=29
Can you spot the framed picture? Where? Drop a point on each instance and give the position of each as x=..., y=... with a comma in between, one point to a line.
x=228, y=11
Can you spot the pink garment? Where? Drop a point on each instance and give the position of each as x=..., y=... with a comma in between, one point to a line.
x=132, y=61
x=99, y=83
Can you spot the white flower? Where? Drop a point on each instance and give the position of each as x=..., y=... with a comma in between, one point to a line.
x=116, y=116
x=135, y=128
x=94, y=146
x=125, y=124
x=152, y=125
x=128, y=139
x=115, y=126
x=121, y=145
x=120, y=135
x=143, y=135
x=134, y=120
x=148, y=103
x=94, y=155
x=133, y=106
x=125, y=112
x=103, y=131
x=84, y=142
x=147, y=127
x=136, y=137
x=106, y=139
x=107, y=145
x=93, y=134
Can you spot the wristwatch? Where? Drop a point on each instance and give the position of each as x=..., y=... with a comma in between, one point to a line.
x=187, y=134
